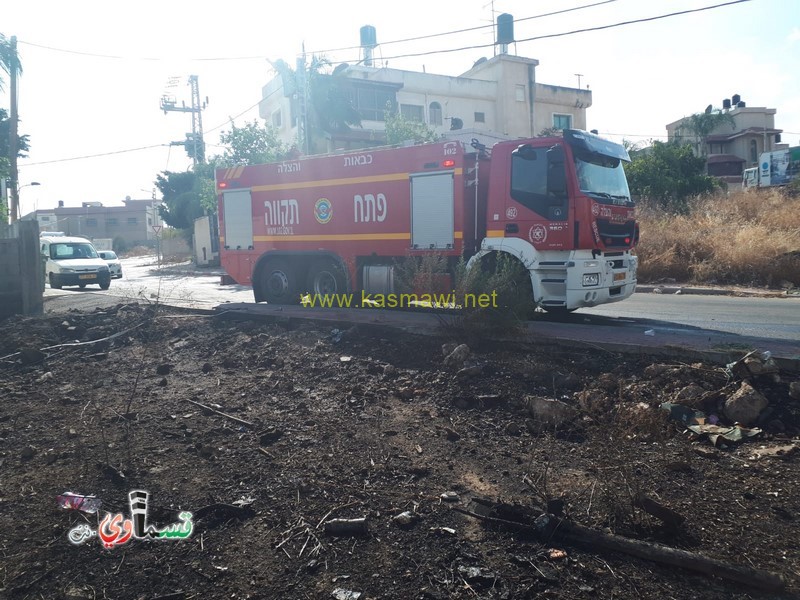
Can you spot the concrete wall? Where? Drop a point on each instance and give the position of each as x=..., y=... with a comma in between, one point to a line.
x=21, y=270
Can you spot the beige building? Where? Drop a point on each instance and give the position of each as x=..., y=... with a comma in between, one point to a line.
x=732, y=148
x=498, y=98
x=132, y=223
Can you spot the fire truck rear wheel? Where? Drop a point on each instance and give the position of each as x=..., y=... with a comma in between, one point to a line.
x=326, y=278
x=280, y=283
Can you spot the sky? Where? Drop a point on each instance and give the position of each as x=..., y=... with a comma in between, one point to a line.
x=94, y=72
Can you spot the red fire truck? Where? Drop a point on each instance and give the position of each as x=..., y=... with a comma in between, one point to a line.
x=342, y=223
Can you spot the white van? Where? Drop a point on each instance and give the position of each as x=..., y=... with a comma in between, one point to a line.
x=72, y=261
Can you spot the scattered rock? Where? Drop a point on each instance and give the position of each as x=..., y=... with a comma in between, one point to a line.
x=448, y=348
x=389, y=370
x=794, y=390
x=745, y=405
x=689, y=394
x=28, y=452
x=457, y=356
x=163, y=369
x=405, y=520
x=450, y=497
x=513, y=429
x=343, y=594
x=163, y=382
x=45, y=377
x=553, y=413
x=478, y=576
x=207, y=367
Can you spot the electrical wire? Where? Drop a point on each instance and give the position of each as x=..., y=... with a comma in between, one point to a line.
x=566, y=33
x=58, y=160
x=466, y=30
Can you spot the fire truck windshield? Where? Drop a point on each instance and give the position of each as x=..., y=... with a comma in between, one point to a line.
x=603, y=178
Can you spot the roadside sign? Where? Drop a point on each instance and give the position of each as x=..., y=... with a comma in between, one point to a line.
x=156, y=228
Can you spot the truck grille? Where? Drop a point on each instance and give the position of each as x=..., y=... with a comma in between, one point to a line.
x=615, y=234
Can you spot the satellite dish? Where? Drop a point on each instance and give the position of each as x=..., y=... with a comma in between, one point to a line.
x=709, y=108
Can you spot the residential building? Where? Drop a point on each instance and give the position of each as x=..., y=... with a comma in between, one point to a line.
x=498, y=98
x=132, y=223
x=733, y=147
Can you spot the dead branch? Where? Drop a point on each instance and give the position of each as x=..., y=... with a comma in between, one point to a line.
x=545, y=526
x=222, y=414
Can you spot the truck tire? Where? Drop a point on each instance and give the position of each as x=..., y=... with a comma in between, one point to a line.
x=326, y=278
x=105, y=286
x=279, y=282
x=53, y=283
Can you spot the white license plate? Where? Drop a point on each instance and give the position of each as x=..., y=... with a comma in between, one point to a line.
x=92, y=276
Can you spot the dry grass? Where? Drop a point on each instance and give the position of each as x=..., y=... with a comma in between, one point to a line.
x=742, y=238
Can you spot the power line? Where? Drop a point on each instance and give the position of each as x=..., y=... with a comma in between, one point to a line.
x=468, y=29
x=566, y=33
x=58, y=160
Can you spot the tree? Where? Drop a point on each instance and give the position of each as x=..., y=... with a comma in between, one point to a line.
x=252, y=144
x=702, y=125
x=669, y=174
x=551, y=132
x=9, y=59
x=399, y=129
x=330, y=107
x=181, y=198
x=23, y=141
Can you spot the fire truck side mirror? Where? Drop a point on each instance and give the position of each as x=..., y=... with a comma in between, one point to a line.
x=556, y=175
x=525, y=152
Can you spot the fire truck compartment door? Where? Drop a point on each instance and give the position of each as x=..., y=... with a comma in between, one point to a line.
x=238, y=219
x=432, y=210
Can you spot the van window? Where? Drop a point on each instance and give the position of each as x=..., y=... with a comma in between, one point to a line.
x=67, y=251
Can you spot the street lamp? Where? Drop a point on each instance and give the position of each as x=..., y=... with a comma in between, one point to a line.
x=19, y=209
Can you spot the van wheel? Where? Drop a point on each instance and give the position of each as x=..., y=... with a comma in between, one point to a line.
x=105, y=286
x=279, y=282
x=53, y=284
x=81, y=285
x=326, y=278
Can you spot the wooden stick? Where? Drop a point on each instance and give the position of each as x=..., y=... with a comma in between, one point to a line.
x=546, y=526
x=222, y=414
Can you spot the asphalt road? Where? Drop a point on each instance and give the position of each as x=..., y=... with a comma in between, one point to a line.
x=647, y=320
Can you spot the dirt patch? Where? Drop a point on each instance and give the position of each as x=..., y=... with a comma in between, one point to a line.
x=306, y=427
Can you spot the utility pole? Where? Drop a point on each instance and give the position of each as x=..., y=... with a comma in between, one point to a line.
x=302, y=102
x=13, y=190
x=194, y=144
x=579, y=75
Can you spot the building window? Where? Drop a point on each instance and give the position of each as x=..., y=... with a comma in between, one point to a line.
x=112, y=221
x=413, y=112
x=276, y=119
x=133, y=221
x=753, y=151
x=91, y=222
x=562, y=121
x=371, y=104
x=480, y=117
x=45, y=219
x=520, y=93
x=436, y=113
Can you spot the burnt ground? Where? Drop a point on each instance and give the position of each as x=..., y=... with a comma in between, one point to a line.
x=370, y=426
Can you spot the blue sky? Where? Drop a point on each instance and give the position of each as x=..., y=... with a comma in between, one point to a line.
x=94, y=71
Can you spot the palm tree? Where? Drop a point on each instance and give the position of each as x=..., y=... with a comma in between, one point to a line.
x=702, y=125
x=9, y=59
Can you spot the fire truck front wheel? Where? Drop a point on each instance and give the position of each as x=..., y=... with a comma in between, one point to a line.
x=326, y=278
x=279, y=281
